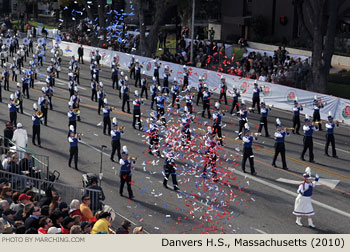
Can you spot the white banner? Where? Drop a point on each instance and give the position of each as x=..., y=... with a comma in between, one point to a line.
x=281, y=97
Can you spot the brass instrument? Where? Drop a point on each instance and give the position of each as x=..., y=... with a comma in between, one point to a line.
x=269, y=106
x=16, y=102
x=339, y=121
x=46, y=105
x=80, y=134
x=132, y=67
x=316, y=123
x=76, y=111
x=120, y=127
x=256, y=134
x=286, y=129
x=133, y=158
x=39, y=114
x=251, y=109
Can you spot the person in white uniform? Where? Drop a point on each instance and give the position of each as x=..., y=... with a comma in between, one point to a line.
x=303, y=205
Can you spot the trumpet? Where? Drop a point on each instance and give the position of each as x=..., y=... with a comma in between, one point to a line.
x=120, y=127
x=286, y=129
x=133, y=158
x=77, y=111
x=39, y=114
x=256, y=134
x=339, y=121
x=316, y=123
x=269, y=106
x=251, y=109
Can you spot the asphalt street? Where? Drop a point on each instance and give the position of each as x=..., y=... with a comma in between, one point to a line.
x=238, y=203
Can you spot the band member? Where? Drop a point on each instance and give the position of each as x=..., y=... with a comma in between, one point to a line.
x=43, y=102
x=71, y=84
x=153, y=137
x=37, y=117
x=49, y=93
x=296, y=116
x=153, y=91
x=6, y=77
x=19, y=97
x=1, y=79
x=137, y=111
x=243, y=112
x=94, y=85
x=217, y=122
x=115, y=71
x=256, y=96
x=235, y=104
x=185, y=76
x=98, y=57
x=308, y=141
x=185, y=130
x=248, y=150
x=170, y=169
x=175, y=94
x=121, y=83
x=51, y=74
x=13, y=110
x=223, y=89
x=137, y=73
x=280, y=134
x=263, y=118
x=57, y=67
x=125, y=172
x=73, y=140
x=303, y=205
x=330, y=125
x=116, y=133
x=106, y=117
x=189, y=102
x=206, y=101
x=144, y=85
x=131, y=67
x=13, y=67
x=75, y=99
x=210, y=157
x=126, y=97
x=72, y=117
x=317, y=105
x=166, y=76
x=200, y=90
x=156, y=70
x=31, y=76
x=100, y=96
x=81, y=54
x=160, y=99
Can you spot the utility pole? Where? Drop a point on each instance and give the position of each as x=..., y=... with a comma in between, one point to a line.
x=192, y=32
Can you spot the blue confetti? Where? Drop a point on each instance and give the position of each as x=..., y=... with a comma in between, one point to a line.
x=165, y=205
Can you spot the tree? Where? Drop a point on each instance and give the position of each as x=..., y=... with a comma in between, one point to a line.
x=318, y=20
x=148, y=47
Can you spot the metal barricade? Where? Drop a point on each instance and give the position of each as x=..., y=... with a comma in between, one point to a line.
x=40, y=162
x=39, y=186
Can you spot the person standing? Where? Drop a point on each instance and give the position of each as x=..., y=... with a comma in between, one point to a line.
x=8, y=134
x=223, y=89
x=137, y=111
x=144, y=85
x=121, y=83
x=43, y=102
x=166, y=76
x=170, y=169
x=308, y=141
x=116, y=133
x=200, y=90
x=137, y=73
x=94, y=90
x=19, y=97
x=243, y=112
x=72, y=117
x=153, y=137
x=175, y=92
x=211, y=156
x=49, y=90
x=100, y=96
x=185, y=78
x=263, y=118
x=13, y=110
x=132, y=67
x=235, y=104
x=6, y=77
x=317, y=105
x=217, y=122
x=115, y=72
x=156, y=70
x=160, y=100
x=330, y=125
x=73, y=140
x=106, y=117
x=256, y=96
x=248, y=150
x=25, y=85
x=126, y=97
x=75, y=101
x=125, y=172
x=303, y=204
x=36, y=118
x=81, y=54
x=206, y=101
x=296, y=116
x=279, y=144
x=153, y=91
x=20, y=138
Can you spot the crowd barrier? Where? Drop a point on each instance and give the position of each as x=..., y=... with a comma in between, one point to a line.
x=281, y=97
x=67, y=192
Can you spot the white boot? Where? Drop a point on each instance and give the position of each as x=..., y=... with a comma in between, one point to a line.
x=311, y=224
x=298, y=222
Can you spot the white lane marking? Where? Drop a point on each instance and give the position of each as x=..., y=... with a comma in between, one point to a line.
x=332, y=183
x=260, y=231
x=294, y=194
x=65, y=83
x=94, y=148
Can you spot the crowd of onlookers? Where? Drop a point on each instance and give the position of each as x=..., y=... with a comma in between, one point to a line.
x=26, y=212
